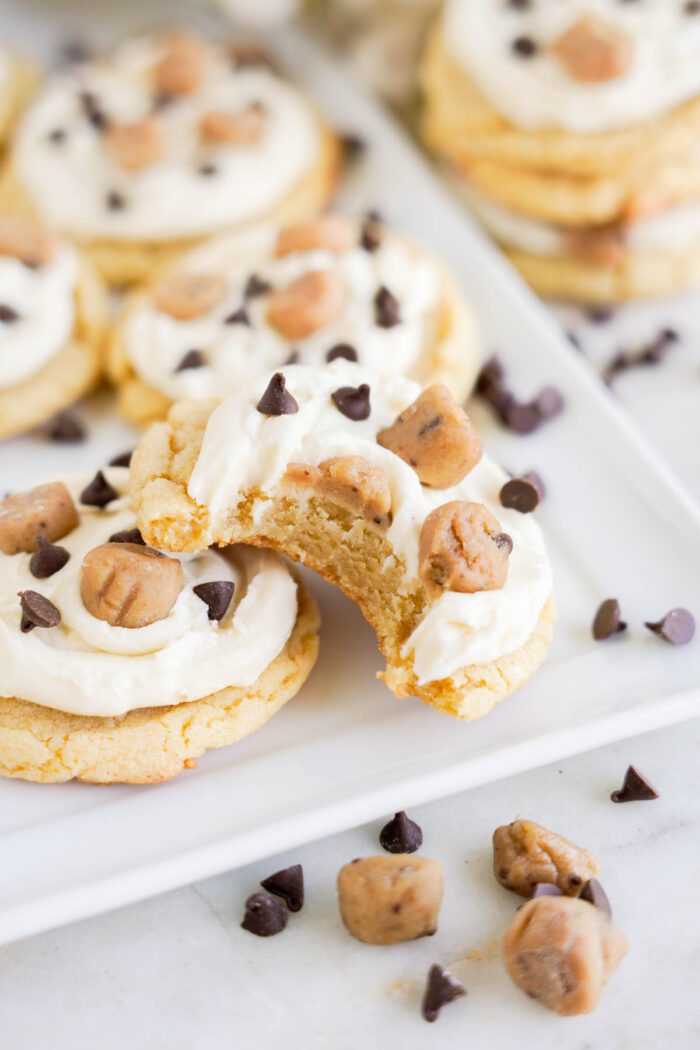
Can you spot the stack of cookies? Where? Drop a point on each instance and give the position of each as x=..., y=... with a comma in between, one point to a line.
x=571, y=129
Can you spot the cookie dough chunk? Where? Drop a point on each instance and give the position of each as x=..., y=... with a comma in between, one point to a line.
x=592, y=51
x=47, y=510
x=234, y=129
x=138, y=145
x=389, y=899
x=462, y=548
x=331, y=233
x=435, y=436
x=129, y=585
x=185, y=296
x=525, y=853
x=26, y=240
x=309, y=303
x=561, y=952
x=350, y=481
x=181, y=69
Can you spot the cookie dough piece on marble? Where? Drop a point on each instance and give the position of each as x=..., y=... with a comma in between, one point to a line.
x=525, y=854
x=389, y=899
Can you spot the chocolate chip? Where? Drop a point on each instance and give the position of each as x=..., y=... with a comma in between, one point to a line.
x=386, y=309
x=57, y=136
x=635, y=788
x=256, y=286
x=216, y=596
x=545, y=889
x=502, y=539
x=122, y=460
x=599, y=314
x=65, y=428
x=289, y=885
x=37, y=611
x=692, y=7
x=276, y=400
x=491, y=377
x=536, y=479
x=594, y=893
x=353, y=401
x=521, y=417
x=524, y=46
x=99, y=492
x=115, y=201
x=294, y=358
x=8, y=315
x=549, y=402
x=519, y=5
x=607, y=620
x=73, y=52
x=47, y=559
x=192, y=359
x=264, y=916
x=352, y=145
x=344, y=350
x=93, y=110
x=650, y=354
x=207, y=170
x=401, y=835
x=519, y=494
x=676, y=627
x=128, y=536
x=440, y=990
x=370, y=235
x=239, y=316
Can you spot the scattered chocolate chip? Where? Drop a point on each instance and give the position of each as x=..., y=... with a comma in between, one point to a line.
x=65, y=428
x=386, y=309
x=353, y=146
x=256, y=286
x=216, y=596
x=502, y=539
x=574, y=340
x=93, y=110
x=491, y=377
x=676, y=627
x=287, y=884
x=344, y=350
x=522, y=417
x=128, y=536
x=294, y=358
x=72, y=52
x=536, y=479
x=47, y=559
x=264, y=916
x=353, y=401
x=115, y=201
x=401, y=835
x=599, y=314
x=549, y=402
x=635, y=788
x=207, y=170
x=57, y=136
x=607, y=620
x=122, y=460
x=545, y=889
x=99, y=492
x=692, y=7
x=192, y=359
x=239, y=316
x=650, y=354
x=440, y=990
x=37, y=611
x=277, y=401
x=519, y=494
x=8, y=315
x=524, y=46
x=594, y=893
x=371, y=235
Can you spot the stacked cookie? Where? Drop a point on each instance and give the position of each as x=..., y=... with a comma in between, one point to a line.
x=572, y=130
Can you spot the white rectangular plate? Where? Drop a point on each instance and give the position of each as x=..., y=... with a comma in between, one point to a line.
x=345, y=750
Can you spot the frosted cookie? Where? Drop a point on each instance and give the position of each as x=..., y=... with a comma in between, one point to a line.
x=142, y=154
x=53, y=319
x=240, y=307
x=121, y=664
x=17, y=80
x=383, y=490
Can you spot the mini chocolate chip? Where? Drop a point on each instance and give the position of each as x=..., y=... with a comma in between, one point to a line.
x=545, y=889
x=239, y=316
x=692, y=7
x=502, y=539
x=128, y=536
x=524, y=46
x=353, y=401
x=521, y=417
x=635, y=788
x=599, y=314
x=57, y=136
x=122, y=460
x=264, y=916
x=519, y=494
x=536, y=479
x=440, y=990
x=370, y=235
x=549, y=402
x=47, y=559
x=99, y=492
x=401, y=835
x=207, y=170
x=65, y=428
x=594, y=893
x=192, y=359
x=676, y=627
x=256, y=286
x=287, y=884
x=216, y=596
x=344, y=350
x=73, y=52
x=93, y=110
x=294, y=358
x=8, y=315
x=386, y=309
x=115, y=201
x=491, y=377
x=276, y=400
x=353, y=146
x=37, y=611
x=607, y=620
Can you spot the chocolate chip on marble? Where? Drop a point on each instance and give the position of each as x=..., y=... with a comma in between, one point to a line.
x=546, y=889
x=387, y=313
x=217, y=596
x=401, y=835
x=123, y=459
x=676, y=627
x=594, y=893
x=99, y=492
x=287, y=884
x=276, y=400
x=128, y=536
x=65, y=429
x=651, y=353
x=264, y=916
x=635, y=788
x=524, y=47
x=8, y=315
x=341, y=350
x=239, y=316
x=353, y=401
x=115, y=201
x=47, y=559
x=441, y=988
x=520, y=494
x=192, y=359
x=255, y=286
x=521, y=417
x=607, y=620
x=37, y=611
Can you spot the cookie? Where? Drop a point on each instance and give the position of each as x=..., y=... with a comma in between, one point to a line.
x=18, y=79
x=53, y=320
x=457, y=587
x=124, y=155
x=251, y=303
x=131, y=663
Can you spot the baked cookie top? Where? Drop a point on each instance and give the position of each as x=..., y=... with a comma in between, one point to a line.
x=168, y=137
x=585, y=66
x=244, y=305
x=93, y=622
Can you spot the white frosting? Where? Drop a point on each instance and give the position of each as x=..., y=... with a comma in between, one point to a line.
x=537, y=93
x=155, y=342
x=88, y=667
x=243, y=448
x=44, y=300
x=69, y=181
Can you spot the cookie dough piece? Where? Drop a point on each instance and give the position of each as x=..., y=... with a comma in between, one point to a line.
x=389, y=899
x=463, y=549
x=47, y=510
x=561, y=952
x=311, y=302
x=525, y=854
x=129, y=585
